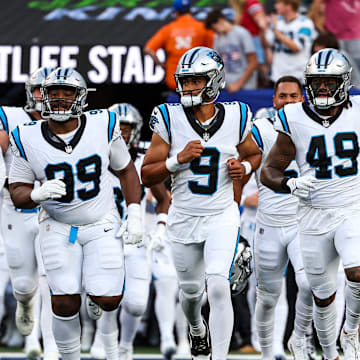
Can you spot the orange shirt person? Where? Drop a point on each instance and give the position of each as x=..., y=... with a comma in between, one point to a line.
x=176, y=38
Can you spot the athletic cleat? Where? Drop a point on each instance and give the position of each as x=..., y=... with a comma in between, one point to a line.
x=168, y=350
x=297, y=347
x=24, y=317
x=350, y=345
x=94, y=310
x=32, y=348
x=200, y=346
x=125, y=353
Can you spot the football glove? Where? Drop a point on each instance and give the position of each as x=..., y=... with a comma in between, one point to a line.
x=132, y=230
x=156, y=239
x=241, y=269
x=51, y=189
x=301, y=186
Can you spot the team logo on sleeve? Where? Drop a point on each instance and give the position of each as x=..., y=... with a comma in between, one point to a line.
x=153, y=121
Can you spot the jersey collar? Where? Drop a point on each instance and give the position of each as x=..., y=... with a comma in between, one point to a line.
x=59, y=143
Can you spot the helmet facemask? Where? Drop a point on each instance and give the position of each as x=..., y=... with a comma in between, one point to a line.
x=335, y=93
x=63, y=109
x=33, y=103
x=206, y=95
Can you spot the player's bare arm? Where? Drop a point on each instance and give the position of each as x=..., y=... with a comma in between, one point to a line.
x=162, y=197
x=20, y=195
x=4, y=141
x=248, y=152
x=130, y=183
x=154, y=168
x=280, y=156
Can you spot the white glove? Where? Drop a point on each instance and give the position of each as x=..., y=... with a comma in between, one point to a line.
x=301, y=186
x=157, y=238
x=51, y=189
x=134, y=234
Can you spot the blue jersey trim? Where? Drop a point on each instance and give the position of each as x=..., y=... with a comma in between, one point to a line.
x=73, y=234
x=243, y=109
x=112, y=122
x=283, y=120
x=165, y=114
x=256, y=133
x=4, y=121
x=16, y=136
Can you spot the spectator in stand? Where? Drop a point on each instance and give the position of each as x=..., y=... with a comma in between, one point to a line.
x=329, y=40
x=251, y=15
x=342, y=19
x=180, y=35
x=236, y=47
x=290, y=36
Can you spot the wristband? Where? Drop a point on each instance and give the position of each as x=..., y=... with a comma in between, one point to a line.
x=161, y=218
x=247, y=166
x=134, y=210
x=172, y=163
x=284, y=186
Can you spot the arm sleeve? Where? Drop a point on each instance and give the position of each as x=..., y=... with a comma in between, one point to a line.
x=245, y=122
x=157, y=125
x=119, y=154
x=281, y=124
x=20, y=171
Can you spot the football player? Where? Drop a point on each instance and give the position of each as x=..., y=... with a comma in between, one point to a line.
x=138, y=262
x=323, y=137
x=20, y=229
x=276, y=239
x=204, y=147
x=69, y=154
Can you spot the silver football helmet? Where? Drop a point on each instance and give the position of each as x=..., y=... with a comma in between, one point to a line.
x=328, y=63
x=35, y=80
x=200, y=61
x=129, y=115
x=64, y=77
x=241, y=269
x=268, y=113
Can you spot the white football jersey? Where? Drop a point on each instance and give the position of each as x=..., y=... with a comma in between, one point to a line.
x=119, y=197
x=203, y=186
x=274, y=209
x=327, y=149
x=285, y=61
x=10, y=118
x=83, y=164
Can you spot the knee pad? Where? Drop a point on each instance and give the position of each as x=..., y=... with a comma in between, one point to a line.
x=192, y=289
x=303, y=286
x=268, y=299
x=24, y=286
x=217, y=287
x=134, y=309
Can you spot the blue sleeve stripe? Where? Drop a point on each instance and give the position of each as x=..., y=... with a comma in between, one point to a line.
x=283, y=120
x=233, y=260
x=4, y=121
x=256, y=133
x=112, y=122
x=16, y=136
x=165, y=114
x=305, y=31
x=243, y=110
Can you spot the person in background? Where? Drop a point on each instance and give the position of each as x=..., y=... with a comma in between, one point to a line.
x=251, y=15
x=290, y=37
x=180, y=35
x=236, y=47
